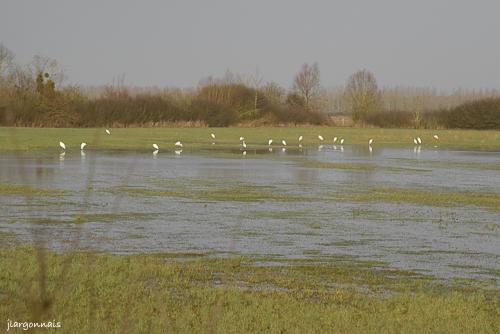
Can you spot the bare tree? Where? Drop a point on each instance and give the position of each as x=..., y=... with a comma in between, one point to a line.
x=307, y=82
x=6, y=61
x=274, y=93
x=363, y=93
x=256, y=81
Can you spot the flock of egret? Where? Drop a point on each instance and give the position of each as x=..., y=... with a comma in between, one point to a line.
x=178, y=144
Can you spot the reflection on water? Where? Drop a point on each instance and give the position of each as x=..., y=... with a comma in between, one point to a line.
x=447, y=241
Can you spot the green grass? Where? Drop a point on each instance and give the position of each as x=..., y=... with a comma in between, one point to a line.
x=159, y=293
x=195, y=138
x=431, y=197
x=7, y=189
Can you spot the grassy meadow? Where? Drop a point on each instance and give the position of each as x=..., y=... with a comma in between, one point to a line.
x=195, y=138
x=190, y=293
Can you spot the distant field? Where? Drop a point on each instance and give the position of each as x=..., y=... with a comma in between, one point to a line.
x=143, y=138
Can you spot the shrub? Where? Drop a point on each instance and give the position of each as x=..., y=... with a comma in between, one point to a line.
x=214, y=114
x=390, y=119
x=481, y=114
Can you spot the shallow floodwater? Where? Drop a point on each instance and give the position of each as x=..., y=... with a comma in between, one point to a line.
x=133, y=201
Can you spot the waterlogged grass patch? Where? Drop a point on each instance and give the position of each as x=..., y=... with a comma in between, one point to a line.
x=148, y=192
x=278, y=214
x=407, y=170
x=7, y=239
x=44, y=220
x=23, y=190
x=112, y=217
x=91, y=292
x=462, y=164
x=429, y=197
x=338, y=165
x=367, y=213
x=236, y=192
x=247, y=194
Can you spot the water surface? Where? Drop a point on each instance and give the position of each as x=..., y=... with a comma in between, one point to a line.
x=134, y=201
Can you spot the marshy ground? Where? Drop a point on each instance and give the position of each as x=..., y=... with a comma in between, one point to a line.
x=323, y=237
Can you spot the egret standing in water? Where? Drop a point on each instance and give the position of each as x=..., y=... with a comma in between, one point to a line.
x=320, y=137
x=82, y=146
x=415, y=141
x=300, y=138
x=419, y=140
x=370, y=142
x=178, y=143
x=62, y=145
x=334, y=140
x=156, y=147
x=283, y=142
x=341, y=141
x=269, y=142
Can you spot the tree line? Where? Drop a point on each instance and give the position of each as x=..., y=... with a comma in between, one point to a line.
x=35, y=95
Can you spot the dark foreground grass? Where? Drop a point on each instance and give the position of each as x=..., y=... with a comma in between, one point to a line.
x=195, y=138
x=157, y=293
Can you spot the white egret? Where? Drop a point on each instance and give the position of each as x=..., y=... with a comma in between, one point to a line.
x=82, y=146
x=242, y=138
x=320, y=137
x=435, y=137
x=244, y=144
x=108, y=132
x=283, y=142
x=300, y=138
x=415, y=141
x=212, y=135
x=62, y=145
x=178, y=143
x=334, y=140
x=419, y=140
x=269, y=142
x=370, y=141
x=341, y=141
x=156, y=147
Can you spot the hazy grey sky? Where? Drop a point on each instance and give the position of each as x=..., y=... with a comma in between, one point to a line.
x=439, y=43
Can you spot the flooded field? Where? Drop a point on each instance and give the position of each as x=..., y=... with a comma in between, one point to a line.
x=431, y=210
